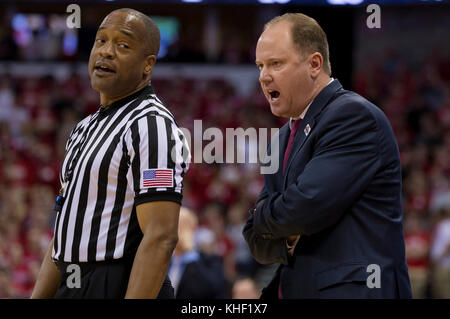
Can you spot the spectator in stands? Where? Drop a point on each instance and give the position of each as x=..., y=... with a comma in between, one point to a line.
x=6, y=283
x=440, y=256
x=195, y=274
x=417, y=244
x=245, y=288
x=214, y=215
x=236, y=217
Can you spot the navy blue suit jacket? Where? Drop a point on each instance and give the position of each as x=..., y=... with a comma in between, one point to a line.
x=341, y=191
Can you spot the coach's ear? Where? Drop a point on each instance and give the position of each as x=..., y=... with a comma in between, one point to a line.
x=150, y=62
x=315, y=63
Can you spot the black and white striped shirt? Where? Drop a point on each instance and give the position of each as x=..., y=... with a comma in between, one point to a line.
x=114, y=154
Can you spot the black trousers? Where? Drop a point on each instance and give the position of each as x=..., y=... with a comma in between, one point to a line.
x=100, y=280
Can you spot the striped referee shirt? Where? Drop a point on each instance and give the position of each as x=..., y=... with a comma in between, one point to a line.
x=131, y=153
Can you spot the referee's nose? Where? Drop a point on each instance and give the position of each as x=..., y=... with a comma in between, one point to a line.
x=107, y=50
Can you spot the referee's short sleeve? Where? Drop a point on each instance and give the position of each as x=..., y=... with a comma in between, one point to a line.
x=159, y=159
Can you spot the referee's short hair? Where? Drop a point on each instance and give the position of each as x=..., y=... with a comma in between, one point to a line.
x=153, y=35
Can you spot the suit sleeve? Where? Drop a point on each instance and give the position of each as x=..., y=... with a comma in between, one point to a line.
x=265, y=251
x=344, y=161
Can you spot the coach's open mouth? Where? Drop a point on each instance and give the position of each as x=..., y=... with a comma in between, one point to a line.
x=274, y=95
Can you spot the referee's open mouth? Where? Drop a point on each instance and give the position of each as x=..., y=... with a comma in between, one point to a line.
x=103, y=69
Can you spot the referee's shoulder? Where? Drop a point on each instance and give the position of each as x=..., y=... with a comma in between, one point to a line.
x=151, y=106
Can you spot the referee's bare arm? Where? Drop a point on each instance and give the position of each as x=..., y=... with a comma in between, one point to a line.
x=49, y=278
x=159, y=223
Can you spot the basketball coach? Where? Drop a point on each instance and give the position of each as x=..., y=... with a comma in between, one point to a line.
x=332, y=214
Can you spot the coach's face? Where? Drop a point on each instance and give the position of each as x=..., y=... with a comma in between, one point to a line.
x=285, y=75
x=118, y=64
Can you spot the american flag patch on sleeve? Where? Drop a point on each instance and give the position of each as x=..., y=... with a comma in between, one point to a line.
x=152, y=178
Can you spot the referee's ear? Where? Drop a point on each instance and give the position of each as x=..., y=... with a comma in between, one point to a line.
x=150, y=62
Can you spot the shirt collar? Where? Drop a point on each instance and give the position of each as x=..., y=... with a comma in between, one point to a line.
x=305, y=110
x=146, y=89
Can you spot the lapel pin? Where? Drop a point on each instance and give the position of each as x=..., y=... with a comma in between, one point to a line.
x=307, y=129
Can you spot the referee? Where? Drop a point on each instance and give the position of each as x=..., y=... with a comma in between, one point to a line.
x=117, y=211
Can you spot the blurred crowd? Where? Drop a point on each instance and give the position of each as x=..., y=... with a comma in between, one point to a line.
x=46, y=39
x=37, y=114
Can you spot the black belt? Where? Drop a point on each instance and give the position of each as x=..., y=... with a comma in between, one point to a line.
x=86, y=267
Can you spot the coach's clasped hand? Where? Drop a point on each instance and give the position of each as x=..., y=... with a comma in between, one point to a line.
x=291, y=242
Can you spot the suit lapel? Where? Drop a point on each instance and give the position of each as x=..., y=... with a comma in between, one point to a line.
x=309, y=121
